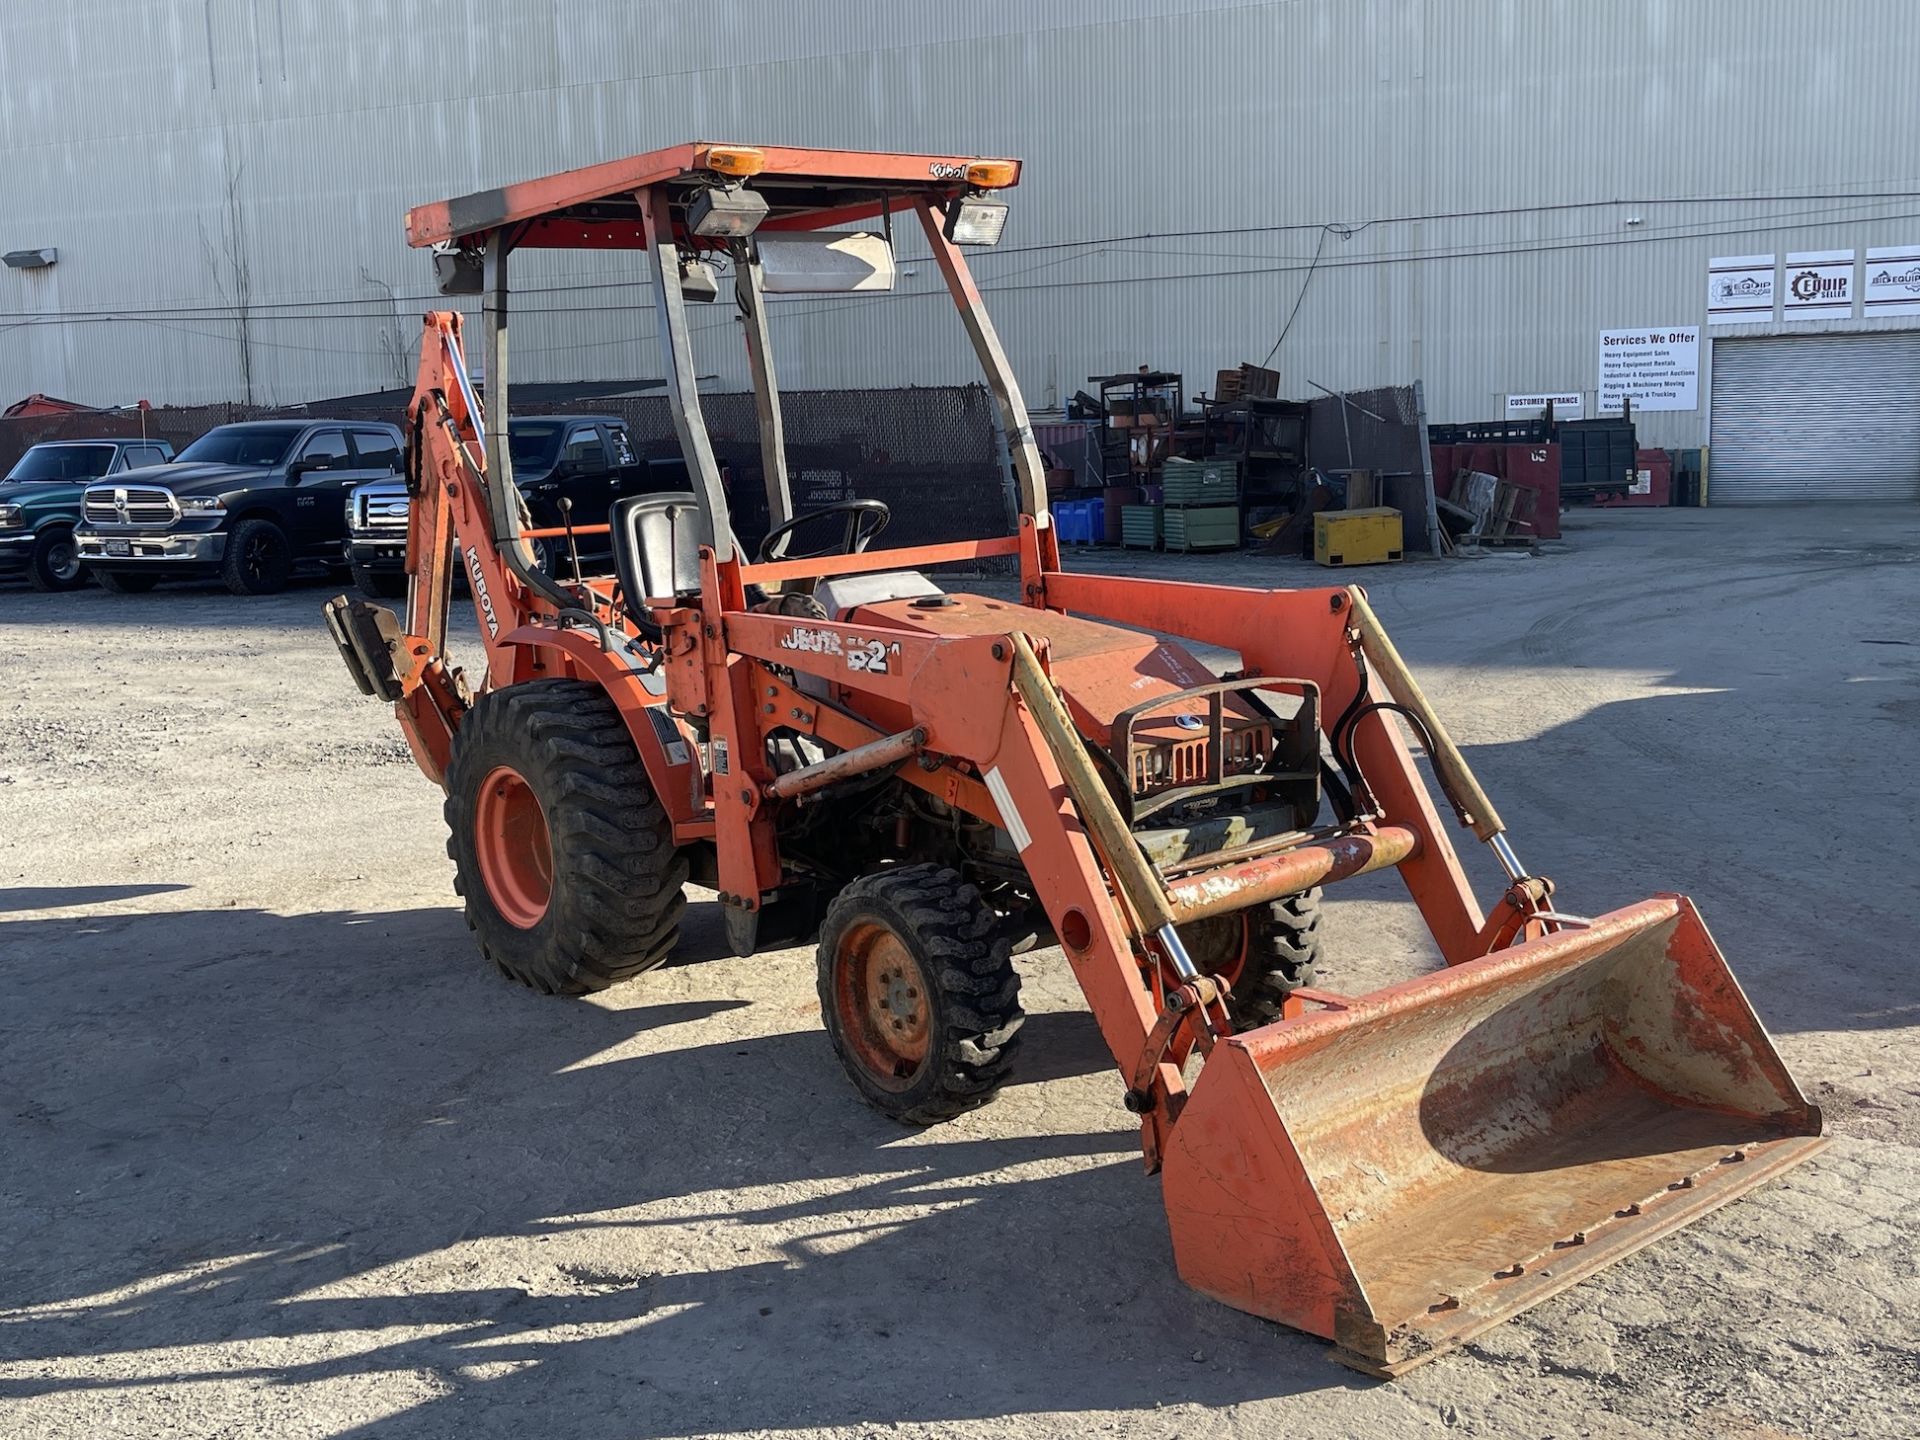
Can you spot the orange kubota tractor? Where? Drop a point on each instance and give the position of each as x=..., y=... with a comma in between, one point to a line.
x=841, y=748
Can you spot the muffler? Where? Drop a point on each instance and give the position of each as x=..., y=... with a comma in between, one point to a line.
x=1402, y=1173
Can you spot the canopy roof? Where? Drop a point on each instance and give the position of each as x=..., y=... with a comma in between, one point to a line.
x=595, y=208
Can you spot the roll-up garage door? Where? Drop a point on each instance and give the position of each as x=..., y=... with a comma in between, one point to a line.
x=1816, y=417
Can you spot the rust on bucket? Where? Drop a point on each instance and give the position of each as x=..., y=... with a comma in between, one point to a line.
x=1403, y=1173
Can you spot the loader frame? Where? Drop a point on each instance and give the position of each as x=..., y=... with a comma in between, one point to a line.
x=973, y=720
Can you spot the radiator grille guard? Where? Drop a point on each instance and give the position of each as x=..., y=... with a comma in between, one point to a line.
x=1209, y=739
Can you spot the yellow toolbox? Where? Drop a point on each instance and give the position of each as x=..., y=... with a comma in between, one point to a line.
x=1357, y=537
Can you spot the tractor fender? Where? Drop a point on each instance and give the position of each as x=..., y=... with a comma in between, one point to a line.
x=667, y=747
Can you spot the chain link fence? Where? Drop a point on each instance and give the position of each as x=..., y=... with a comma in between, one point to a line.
x=931, y=453
x=1383, y=430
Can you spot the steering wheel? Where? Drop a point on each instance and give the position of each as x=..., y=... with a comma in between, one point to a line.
x=864, y=520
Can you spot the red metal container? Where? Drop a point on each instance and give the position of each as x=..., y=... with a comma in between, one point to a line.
x=1653, y=481
x=1534, y=468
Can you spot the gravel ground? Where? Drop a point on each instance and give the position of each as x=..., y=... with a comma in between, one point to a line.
x=279, y=1157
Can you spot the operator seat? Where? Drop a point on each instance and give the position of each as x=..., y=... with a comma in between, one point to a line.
x=656, y=542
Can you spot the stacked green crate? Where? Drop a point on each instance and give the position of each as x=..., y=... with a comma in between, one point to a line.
x=1202, y=527
x=1140, y=527
x=1201, y=482
x=1202, y=505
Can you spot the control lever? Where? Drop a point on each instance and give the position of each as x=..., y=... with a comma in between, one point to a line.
x=573, y=548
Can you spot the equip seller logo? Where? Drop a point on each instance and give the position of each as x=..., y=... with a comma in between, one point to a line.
x=1812, y=285
x=1747, y=287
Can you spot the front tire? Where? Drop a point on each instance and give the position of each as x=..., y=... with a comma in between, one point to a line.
x=258, y=559
x=561, y=850
x=1266, y=952
x=125, y=582
x=919, y=993
x=54, y=564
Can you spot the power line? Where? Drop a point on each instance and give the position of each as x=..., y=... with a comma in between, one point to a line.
x=1490, y=249
x=1318, y=249
x=255, y=308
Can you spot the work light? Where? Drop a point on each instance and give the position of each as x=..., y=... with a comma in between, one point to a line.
x=726, y=213
x=976, y=222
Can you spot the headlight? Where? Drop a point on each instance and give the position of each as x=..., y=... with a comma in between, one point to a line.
x=202, y=505
x=12, y=517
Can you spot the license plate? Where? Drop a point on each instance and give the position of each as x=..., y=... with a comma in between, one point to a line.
x=119, y=547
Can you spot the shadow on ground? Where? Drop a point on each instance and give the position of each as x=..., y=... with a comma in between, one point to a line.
x=213, y=1115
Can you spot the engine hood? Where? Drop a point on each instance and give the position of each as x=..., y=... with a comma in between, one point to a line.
x=39, y=492
x=1101, y=670
x=200, y=479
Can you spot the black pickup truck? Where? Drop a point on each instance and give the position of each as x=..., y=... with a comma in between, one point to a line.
x=244, y=502
x=588, y=460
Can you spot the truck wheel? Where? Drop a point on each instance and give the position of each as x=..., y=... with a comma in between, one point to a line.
x=1265, y=952
x=919, y=994
x=561, y=850
x=55, y=562
x=258, y=559
x=380, y=584
x=126, y=582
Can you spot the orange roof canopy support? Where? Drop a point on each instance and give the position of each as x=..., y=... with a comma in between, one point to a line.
x=595, y=208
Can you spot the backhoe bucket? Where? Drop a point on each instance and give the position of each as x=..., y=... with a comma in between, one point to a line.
x=1402, y=1174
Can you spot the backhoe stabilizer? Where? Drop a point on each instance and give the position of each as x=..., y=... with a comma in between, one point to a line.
x=1403, y=1173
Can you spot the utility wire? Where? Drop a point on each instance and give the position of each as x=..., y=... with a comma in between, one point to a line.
x=1318, y=250
x=254, y=308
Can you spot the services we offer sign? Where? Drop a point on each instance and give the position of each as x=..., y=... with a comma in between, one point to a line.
x=1657, y=368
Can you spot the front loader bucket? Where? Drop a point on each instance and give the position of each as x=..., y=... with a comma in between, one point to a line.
x=1402, y=1174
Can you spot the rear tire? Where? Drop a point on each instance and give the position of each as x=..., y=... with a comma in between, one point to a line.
x=258, y=560
x=125, y=582
x=1266, y=952
x=54, y=564
x=561, y=850
x=380, y=584
x=919, y=994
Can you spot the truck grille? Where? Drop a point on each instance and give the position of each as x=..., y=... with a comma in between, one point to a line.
x=380, y=512
x=129, y=505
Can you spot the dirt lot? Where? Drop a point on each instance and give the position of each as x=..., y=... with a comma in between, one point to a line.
x=279, y=1157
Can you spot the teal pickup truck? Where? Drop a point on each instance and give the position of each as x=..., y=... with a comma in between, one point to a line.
x=40, y=503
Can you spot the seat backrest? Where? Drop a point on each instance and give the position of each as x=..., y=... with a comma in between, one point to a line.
x=656, y=542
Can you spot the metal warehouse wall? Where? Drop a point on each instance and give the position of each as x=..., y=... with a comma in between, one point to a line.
x=1478, y=160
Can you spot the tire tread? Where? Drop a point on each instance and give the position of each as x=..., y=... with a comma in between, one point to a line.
x=619, y=880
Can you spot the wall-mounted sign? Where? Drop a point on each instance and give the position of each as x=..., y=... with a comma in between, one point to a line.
x=1569, y=405
x=1893, y=281
x=1819, y=285
x=1657, y=369
x=1739, y=289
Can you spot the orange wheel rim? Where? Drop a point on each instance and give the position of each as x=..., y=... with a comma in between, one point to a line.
x=515, y=854
x=1218, y=946
x=880, y=1000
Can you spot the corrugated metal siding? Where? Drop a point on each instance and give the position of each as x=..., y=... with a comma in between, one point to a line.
x=1142, y=121
x=1816, y=417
